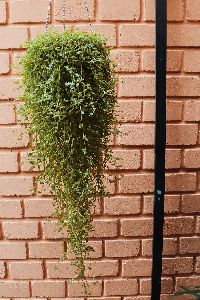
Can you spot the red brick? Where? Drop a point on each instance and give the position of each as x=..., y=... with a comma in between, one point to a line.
x=192, y=111
x=115, y=10
x=174, y=60
x=97, y=247
x=17, y=251
x=8, y=162
x=177, y=265
x=172, y=204
x=129, y=111
x=138, y=183
x=181, y=182
x=14, y=289
x=2, y=270
x=104, y=228
x=10, y=208
x=122, y=248
x=192, y=61
x=4, y=62
x=169, y=247
x=136, y=135
x=51, y=230
x=137, y=227
x=136, y=267
x=189, y=245
x=183, y=35
x=178, y=225
x=126, y=159
x=37, y=208
x=25, y=163
x=198, y=225
x=190, y=203
x=3, y=14
x=190, y=282
x=13, y=37
x=48, y=288
x=193, y=13
x=183, y=86
x=173, y=159
x=121, y=287
x=166, y=286
x=122, y=205
x=136, y=86
x=174, y=111
x=45, y=249
x=39, y=29
x=16, y=186
x=9, y=88
x=192, y=158
x=125, y=60
x=107, y=30
x=76, y=289
x=28, y=11
x=75, y=10
x=197, y=265
x=7, y=113
x=138, y=35
x=25, y=270
x=13, y=137
x=14, y=230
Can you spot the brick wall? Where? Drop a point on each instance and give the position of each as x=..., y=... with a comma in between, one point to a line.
x=29, y=246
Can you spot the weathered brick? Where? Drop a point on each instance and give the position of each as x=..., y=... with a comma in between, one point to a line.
x=20, y=230
x=137, y=227
x=187, y=282
x=28, y=11
x=122, y=248
x=122, y=205
x=76, y=289
x=191, y=61
x=48, y=288
x=138, y=183
x=3, y=14
x=7, y=113
x=25, y=270
x=175, y=9
x=37, y=208
x=4, y=62
x=136, y=267
x=126, y=159
x=116, y=10
x=178, y=225
x=125, y=60
x=2, y=270
x=166, y=286
x=174, y=60
x=16, y=186
x=13, y=137
x=25, y=163
x=177, y=265
x=136, y=86
x=172, y=204
x=189, y=245
x=173, y=159
x=10, y=208
x=136, y=135
x=183, y=86
x=129, y=111
x=75, y=10
x=14, y=289
x=8, y=162
x=183, y=35
x=121, y=287
x=192, y=111
x=190, y=203
x=138, y=35
x=181, y=182
x=192, y=158
x=193, y=13
x=170, y=247
x=9, y=88
x=104, y=228
x=13, y=37
x=45, y=249
x=51, y=231
x=12, y=251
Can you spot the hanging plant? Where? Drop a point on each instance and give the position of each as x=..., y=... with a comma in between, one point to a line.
x=69, y=97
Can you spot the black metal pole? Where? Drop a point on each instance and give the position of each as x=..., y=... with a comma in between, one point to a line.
x=160, y=145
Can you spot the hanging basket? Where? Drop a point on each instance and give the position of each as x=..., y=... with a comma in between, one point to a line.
x=70, y=98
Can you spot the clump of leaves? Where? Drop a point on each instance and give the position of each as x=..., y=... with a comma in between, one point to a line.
x=70, y=98
x=194, y=292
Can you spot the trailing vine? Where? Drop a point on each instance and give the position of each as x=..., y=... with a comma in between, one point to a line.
x=69, y=96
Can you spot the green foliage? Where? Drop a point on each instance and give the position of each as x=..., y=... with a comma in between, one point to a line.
x=194, y=292
x=70, y=99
